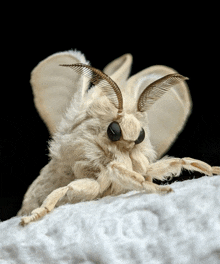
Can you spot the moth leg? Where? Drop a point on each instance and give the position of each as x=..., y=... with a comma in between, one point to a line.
x=200, y=166
x=216, y=170
x=124, y=177
x=173, y=166
x=83, y=190
x=136, y=181
x=48, y=204
x=151, y=187
x=76, y=191
x=127, y=173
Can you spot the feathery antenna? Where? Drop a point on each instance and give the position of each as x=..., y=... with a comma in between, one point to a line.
x=157, y=89
x=99, y=78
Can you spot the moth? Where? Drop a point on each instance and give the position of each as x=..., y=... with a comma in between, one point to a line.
x=109, y=131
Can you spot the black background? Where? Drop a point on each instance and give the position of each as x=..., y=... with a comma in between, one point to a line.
x=182, y=37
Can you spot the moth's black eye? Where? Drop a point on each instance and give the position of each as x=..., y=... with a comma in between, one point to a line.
x=140, y=137
x=114, y=131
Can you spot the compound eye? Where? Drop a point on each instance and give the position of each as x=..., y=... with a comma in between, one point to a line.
x=114, y=131
x=140, y=137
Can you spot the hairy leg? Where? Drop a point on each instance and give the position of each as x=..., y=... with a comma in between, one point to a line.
x=136, y=181
x=125, y=175
x=151, y=187
x=76, y=191
x=51, y=177
x=173, y=166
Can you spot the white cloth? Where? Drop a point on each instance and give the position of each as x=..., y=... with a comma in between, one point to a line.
x=181, y=227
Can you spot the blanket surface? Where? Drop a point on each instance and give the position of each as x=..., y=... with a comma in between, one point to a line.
x=181, y=227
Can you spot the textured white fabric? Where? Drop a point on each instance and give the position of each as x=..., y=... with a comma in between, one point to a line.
x=181, y=227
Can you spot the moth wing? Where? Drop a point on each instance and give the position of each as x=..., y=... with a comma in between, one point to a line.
x=53, y=86
x=119, y=69
x=168, y=115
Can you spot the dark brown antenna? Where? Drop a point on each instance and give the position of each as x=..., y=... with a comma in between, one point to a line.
x=157, y=89
x=99, y=78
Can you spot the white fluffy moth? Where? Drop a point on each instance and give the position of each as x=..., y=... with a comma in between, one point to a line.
x=108, y=138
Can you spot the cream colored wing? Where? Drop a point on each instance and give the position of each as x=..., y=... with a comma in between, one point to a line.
x=168, y=115
x=53, y=86
x=119, y=69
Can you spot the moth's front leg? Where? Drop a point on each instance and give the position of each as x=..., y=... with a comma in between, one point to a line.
x=173, y=166
x=135, y=181
x=125, y=175
x=76, y=191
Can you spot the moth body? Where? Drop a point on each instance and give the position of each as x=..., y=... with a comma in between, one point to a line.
x=107, y=137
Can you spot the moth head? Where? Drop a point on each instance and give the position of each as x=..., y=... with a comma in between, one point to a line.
x=125, y=126
x=128, y=130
